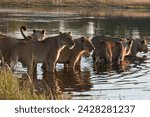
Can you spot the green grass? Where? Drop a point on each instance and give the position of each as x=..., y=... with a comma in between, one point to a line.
x=10, y=88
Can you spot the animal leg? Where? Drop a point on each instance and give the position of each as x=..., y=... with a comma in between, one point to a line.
x=51, y=67
x=94, y=57
x=72, y=63
x=65, y=65
x=78, y=63
x=31, y=69
x=13, y=62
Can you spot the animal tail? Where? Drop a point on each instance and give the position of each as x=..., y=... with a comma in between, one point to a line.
x=24, y=28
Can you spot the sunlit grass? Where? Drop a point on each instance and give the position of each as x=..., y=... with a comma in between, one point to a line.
x=11, y=89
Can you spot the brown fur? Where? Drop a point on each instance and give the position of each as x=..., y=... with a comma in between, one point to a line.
x=6, y=42
x=111, y=51
x=139, y=45
x=46, y=51
x=37, y=35
x=85, y=54
x=71, y=56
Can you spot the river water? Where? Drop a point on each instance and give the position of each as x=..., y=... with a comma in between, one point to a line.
x=130, y=81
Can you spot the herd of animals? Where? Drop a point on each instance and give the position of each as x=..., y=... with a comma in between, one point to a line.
x=62, y=48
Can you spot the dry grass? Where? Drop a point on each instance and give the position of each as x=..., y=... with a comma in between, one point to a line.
x=80, y=2
x=10, y=88
x=125, y=2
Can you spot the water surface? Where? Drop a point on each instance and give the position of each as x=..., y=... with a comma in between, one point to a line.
x=130, y=81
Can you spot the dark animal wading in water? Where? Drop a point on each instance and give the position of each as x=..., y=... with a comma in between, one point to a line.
x=139, y=45
x=46, y=51
x=110, y=51
x=6, y=42
x=73, y=56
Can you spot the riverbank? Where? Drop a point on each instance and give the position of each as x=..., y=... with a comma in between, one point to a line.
x=124, y=4
x=13, y=88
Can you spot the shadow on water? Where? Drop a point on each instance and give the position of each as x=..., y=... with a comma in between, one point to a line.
x=49, y=84
x=121, y=82
x=63, y=81
x=82, y=84
x=126, y=66
x=75, y=80
x=103, y=68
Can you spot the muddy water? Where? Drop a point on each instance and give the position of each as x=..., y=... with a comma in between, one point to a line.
x=129, y=81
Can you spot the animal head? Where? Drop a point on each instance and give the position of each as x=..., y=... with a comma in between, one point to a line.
x=87, y=44
x=38, y=35
x=86, y=54
x=127, y=45
x=142, y=45
x=66, y=39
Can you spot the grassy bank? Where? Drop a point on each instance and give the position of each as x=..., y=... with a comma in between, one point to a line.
x=12, y=89
x=79, y=3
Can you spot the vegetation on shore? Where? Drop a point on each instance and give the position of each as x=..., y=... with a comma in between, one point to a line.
x=11, y=88
x=80, y=3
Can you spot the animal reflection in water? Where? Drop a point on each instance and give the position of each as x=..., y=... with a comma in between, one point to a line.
x=66, y=81
x=124, y=67
x=75, y=80
x=49, y=84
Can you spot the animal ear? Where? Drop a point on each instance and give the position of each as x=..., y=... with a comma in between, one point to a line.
x=43, y=31
x=60, y=33
x=30, y=37
x=130, y=42
x=121, y=39
x=69, y=33
x=143, y=41
x=82, y=39
x=88, y=38
x=34, y=30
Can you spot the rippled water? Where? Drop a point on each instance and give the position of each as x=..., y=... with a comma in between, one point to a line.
x=130, y=81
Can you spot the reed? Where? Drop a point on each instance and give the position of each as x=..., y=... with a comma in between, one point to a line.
x=12, y=89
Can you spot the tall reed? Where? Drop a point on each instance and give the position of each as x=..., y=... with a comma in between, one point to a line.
x=12, y=89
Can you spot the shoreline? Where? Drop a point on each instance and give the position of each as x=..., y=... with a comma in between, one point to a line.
x=35, y=4
x=84, y=11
